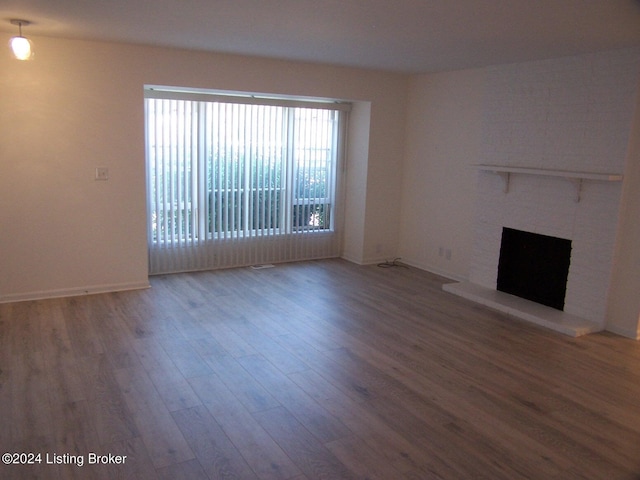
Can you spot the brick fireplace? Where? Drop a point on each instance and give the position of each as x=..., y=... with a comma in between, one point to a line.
x=569, y=205
x=552, y=130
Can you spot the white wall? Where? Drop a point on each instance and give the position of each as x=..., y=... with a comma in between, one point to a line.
x=444, y=126
x=382, y=215
x=79, y=105
x=73, y=108
x=623, y=314
x=357, y=151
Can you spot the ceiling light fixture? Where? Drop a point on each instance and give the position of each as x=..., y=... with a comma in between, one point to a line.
x=20, y=46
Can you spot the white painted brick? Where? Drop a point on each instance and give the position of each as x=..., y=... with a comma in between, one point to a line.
x=564, y=114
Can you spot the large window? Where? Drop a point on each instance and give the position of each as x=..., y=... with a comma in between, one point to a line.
x=239, y=180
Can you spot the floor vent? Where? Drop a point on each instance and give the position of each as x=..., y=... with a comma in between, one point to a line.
x=260, y=267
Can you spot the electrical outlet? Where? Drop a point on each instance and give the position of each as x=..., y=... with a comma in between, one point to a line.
x=447, y=254
x=102, y=173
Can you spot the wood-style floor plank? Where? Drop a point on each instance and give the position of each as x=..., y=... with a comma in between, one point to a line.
x=306, y=410
x=260, y=450
x=309, y=454
x=217, y=455
x=311, y=370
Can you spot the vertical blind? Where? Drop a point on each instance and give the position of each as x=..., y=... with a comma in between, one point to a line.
x=235, y=181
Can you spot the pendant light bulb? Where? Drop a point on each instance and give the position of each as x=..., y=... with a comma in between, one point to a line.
x=21, y=46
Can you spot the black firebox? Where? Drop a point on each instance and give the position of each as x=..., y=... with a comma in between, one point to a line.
x=534, y=267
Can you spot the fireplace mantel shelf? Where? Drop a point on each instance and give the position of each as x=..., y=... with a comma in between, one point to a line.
x=576, y=177
x=604, y=177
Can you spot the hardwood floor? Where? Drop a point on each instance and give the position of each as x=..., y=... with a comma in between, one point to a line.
x=315, y=370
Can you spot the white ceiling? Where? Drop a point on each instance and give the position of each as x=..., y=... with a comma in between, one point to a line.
x=399, y=35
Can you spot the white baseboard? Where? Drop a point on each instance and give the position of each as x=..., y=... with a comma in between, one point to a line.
x=359, y=260
x=72, y=292
x=376, y=260
x=410, y=263
x=624, y=332
x=352, y=259
x=434, y=270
